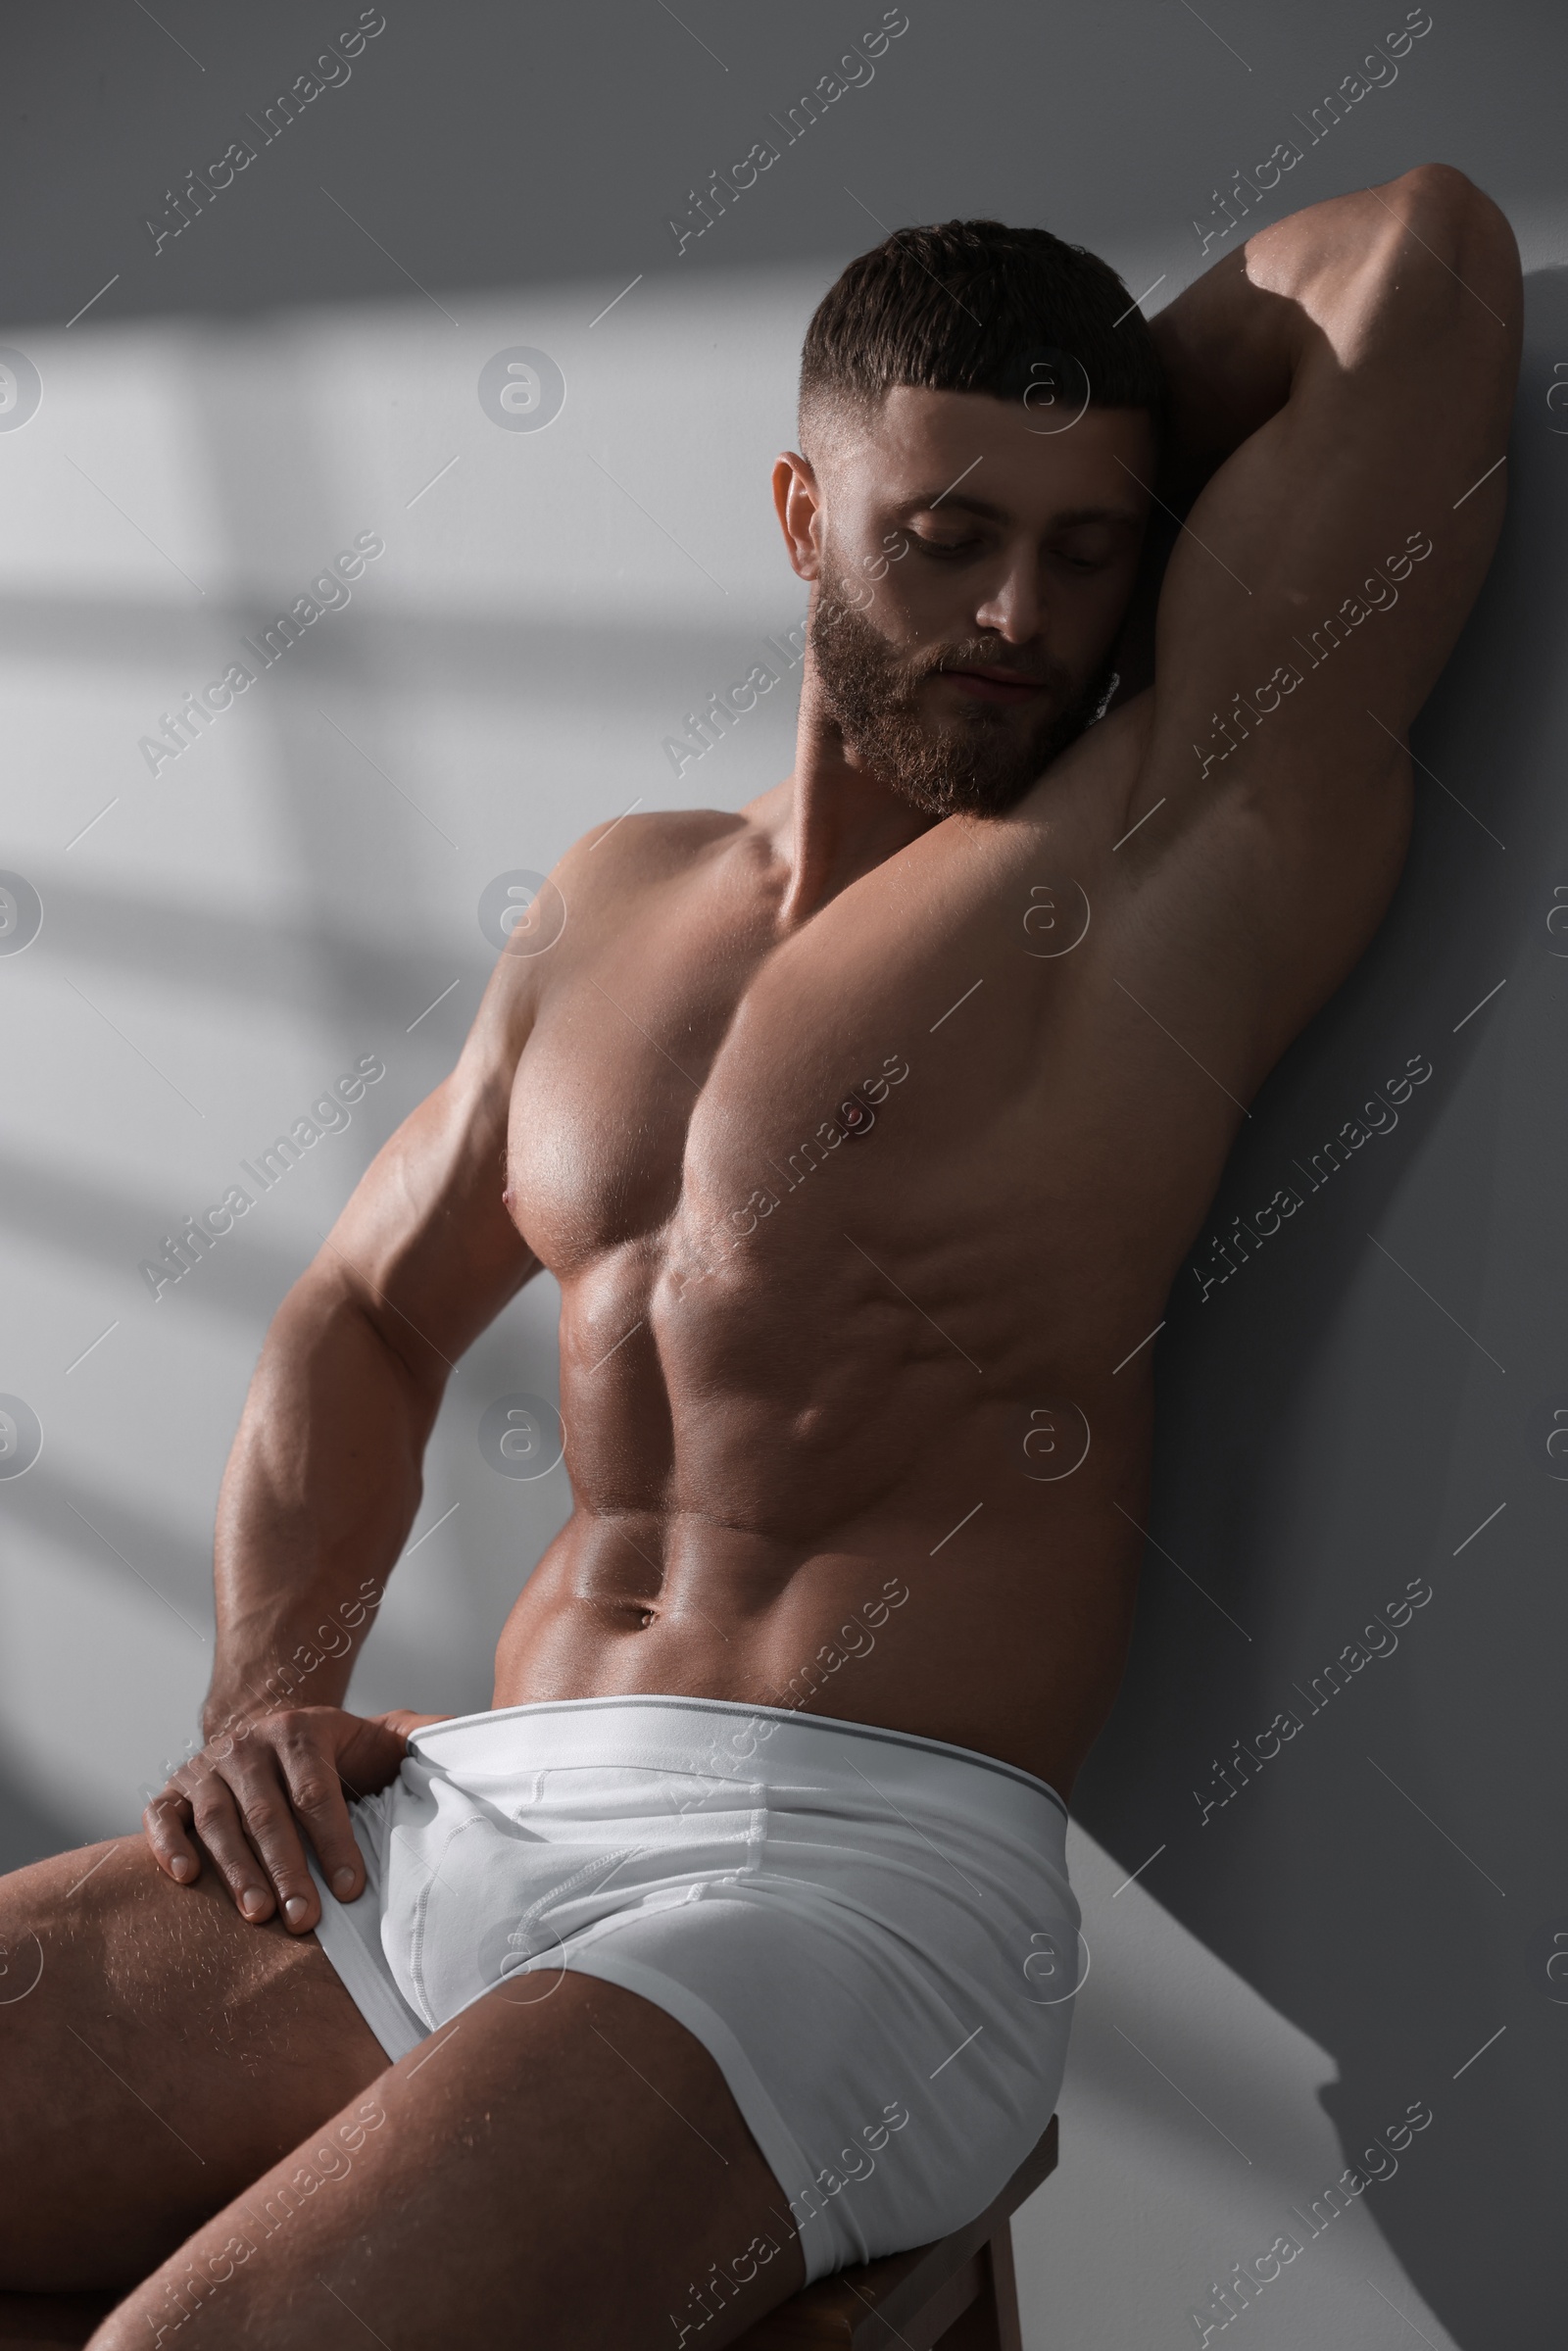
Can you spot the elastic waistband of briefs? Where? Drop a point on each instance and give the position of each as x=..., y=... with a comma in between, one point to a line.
x=608, y=1730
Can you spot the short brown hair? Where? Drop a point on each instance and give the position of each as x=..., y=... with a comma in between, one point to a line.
x=972, y=306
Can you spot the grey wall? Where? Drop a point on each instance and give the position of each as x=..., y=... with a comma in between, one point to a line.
x=1376, y=1902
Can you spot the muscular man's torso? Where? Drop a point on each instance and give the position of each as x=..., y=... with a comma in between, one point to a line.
x=857, y=1223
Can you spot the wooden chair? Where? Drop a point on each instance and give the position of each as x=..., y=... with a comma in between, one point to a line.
x=959, y=2295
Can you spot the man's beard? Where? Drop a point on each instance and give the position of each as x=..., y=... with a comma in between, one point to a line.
x=978, y=763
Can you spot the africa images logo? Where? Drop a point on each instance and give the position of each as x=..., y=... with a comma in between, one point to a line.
x=21, y=1437
x=522, y=389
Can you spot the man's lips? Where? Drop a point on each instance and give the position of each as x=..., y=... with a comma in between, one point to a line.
x=993, y=685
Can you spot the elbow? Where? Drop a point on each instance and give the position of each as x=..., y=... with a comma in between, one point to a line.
x=1438, y=185
x=1455, y=249
x=1456, y=217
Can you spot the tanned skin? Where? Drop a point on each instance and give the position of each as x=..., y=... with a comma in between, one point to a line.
x=772, y=1410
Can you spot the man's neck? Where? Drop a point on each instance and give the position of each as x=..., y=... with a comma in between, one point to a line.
x=837, y=818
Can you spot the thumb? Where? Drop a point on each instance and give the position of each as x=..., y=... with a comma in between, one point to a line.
x=371, y=1751
x=399, y=1724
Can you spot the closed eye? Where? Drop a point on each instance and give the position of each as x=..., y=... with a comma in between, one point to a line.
x=943, y=547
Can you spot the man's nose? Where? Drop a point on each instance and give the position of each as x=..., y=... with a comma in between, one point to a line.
x=1011, y=609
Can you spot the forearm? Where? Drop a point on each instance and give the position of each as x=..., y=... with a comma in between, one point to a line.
x=321, y=1489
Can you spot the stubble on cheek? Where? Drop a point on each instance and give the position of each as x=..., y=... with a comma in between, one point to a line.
x=978, y=759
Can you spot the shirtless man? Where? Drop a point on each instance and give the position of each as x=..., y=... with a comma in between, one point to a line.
x=865, y=1131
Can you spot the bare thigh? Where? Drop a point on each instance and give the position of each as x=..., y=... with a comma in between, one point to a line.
x=157, y=2054
x=558, y=2171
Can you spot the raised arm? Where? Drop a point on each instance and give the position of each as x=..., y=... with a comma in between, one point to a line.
x=324, y=1479
x=1342, y=387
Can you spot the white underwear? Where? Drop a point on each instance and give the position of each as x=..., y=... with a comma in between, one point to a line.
x=870, y=1932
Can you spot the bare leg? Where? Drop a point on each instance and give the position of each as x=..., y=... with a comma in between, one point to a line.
x=561, y=2167
x=155, y=2054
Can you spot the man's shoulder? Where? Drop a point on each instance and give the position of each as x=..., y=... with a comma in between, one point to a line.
x=649, y=845
x=618, y=882
x=631, y=866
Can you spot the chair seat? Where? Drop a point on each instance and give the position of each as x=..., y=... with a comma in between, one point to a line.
x=959, y=2293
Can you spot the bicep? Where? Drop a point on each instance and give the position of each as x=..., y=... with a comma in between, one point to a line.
x=1327, y=567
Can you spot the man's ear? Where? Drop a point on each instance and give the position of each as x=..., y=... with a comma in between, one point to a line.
x=798, y=502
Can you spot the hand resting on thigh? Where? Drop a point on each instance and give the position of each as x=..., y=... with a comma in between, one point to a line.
x=260, y=1787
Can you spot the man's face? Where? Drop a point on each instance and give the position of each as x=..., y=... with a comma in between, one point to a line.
x=973, y=570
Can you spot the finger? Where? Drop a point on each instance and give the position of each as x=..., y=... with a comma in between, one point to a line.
x=316, y=1794
x=373, y=1754
x=164, y=1823
x=267, y=1811
x=216, y=1819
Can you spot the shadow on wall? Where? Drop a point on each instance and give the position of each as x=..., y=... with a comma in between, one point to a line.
x=1363, y=1822
x=466, y=147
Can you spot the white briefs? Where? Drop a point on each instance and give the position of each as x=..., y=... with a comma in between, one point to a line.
x=870, y=1932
